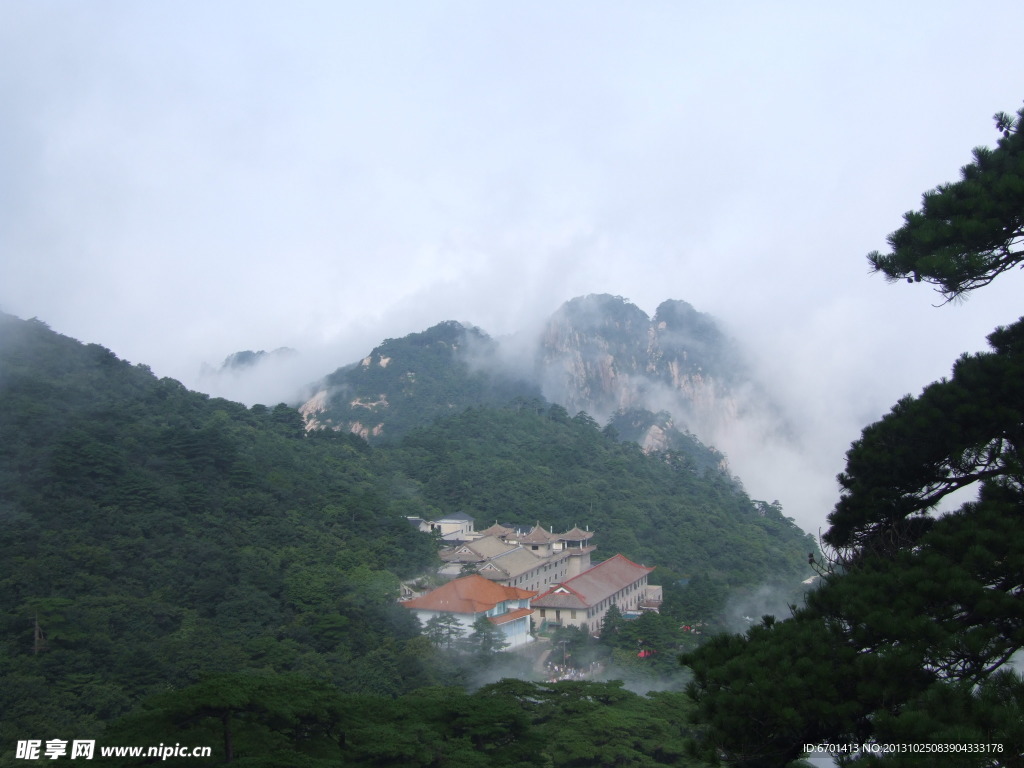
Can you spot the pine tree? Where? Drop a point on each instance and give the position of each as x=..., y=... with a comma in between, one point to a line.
x=443, y=630
x=910, y=636
x=969, y=232
x=486, y=638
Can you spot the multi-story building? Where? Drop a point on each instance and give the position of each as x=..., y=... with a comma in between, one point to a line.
x=583, y=600
x=531, y=559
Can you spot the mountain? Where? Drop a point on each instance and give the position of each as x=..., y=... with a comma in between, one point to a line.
x=676, y=373
x=152, y=536
x=407, y=382
x=531, y=463
x=173, y=559
x=602, y=354
x=247, y=358
x=657, y=432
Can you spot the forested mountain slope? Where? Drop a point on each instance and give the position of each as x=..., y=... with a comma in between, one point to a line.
x=600, y=354
x=530, y=463
x=155, y=536
x=165, y=547
x=404, y=383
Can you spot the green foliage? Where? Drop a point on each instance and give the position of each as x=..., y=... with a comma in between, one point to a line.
x=443, y=630
x=160, y=535
x=264, y=720
x=485, y=640
x=238, y=574
x=954, y=434
x=684, y=449
x=783, y=685
x=514, y=723
x=407, y=382
x=970, y=231
x=612, y=623
x=959, y=714
x=908, y=638
x=250, y=720
x=565, y=471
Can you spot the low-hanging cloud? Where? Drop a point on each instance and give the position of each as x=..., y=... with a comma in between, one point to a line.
x=184, y=181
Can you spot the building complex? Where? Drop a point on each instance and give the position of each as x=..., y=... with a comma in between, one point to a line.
x=515, y=575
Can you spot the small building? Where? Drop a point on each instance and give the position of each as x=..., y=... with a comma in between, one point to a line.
x=471, y=597
x=583, y=600
x=453, y=528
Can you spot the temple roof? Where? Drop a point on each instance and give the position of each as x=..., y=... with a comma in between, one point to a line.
x=576, y=534
x=561, y=596
x=470, y=594
x=538, y=535
x=497, y=530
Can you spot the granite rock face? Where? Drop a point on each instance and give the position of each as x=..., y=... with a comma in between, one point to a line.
x=600, y=354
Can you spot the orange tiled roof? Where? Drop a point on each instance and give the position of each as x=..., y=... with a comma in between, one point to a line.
x=505, y=618
x=470, y=594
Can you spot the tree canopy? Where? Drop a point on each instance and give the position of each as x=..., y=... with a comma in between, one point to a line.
x=910, y=636
x=157, y=540
x=967, y=232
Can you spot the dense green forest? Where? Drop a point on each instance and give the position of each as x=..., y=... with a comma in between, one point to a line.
x=285, y=721
x=154, y=536
x=169, y=555
x=531, y=463
x=436, y=373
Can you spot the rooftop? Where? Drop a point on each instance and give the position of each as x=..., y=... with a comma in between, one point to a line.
x=470, y=594
x=477, y=551
x=593, y=585
x=512, y=563
x=460, y=516
x=576, y=534
x=537, y=536
x=498, y=530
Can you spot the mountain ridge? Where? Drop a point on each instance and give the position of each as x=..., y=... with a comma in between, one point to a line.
x=599, y=354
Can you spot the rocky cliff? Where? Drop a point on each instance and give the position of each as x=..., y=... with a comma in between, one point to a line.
x=602, y=354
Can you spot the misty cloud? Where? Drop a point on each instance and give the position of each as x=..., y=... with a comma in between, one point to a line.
x=182, y=181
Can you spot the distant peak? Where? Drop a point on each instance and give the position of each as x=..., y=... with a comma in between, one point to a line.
x=247, y=358
x=596, y=309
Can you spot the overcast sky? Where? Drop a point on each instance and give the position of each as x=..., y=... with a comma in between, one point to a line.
x=182, y=180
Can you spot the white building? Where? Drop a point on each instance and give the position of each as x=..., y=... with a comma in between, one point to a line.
x=471, y=597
